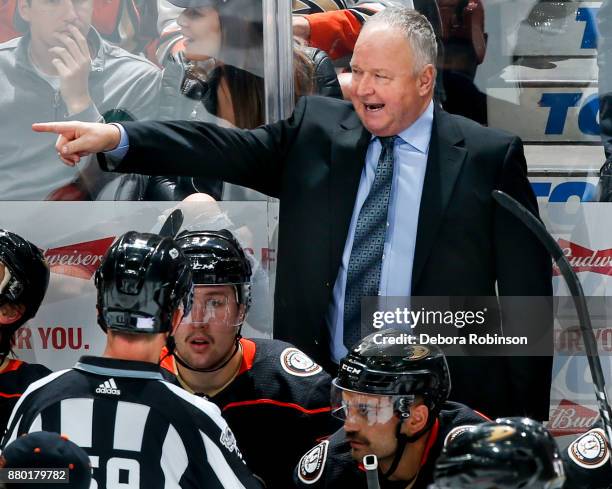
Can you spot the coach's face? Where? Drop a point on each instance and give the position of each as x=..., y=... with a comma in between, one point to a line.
x=387, y=93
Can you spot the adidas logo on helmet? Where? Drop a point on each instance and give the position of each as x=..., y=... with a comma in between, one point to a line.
x=108, y=387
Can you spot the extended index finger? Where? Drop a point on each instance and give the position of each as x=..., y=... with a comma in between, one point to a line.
x=56, y=127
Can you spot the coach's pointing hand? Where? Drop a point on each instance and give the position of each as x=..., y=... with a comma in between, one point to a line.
x=78, y=139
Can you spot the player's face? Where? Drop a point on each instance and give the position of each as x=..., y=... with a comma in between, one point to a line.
x=201, y=30
x=370, y=426
x=207, y=335
x=47, y=18
x=386, y=93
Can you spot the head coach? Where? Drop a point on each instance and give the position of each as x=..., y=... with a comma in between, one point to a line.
x=386, y=196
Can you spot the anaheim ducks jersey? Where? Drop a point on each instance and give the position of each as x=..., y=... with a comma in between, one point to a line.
x=139, y=431
x=15, y=377
x=587, y=461
x=277, y=406
x=330, y=465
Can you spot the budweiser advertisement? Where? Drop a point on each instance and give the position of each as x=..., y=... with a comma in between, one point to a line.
x=587, y=244
x=74, y=236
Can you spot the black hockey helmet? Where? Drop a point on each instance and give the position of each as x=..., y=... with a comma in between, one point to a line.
x=509, y=453
x=383, y=364
x=218, y=259
x=386, y=364
x=142, y=280
x=25, y=281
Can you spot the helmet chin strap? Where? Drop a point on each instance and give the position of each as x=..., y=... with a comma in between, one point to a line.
x=402, y=441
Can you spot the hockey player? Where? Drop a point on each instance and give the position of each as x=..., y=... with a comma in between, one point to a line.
x=268, y=390
x=24, y=277
x=509, y=453
x=587, y=460
x=393, y=401
x=138, y=430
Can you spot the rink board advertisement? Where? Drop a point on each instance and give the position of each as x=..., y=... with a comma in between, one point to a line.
x=74, y=237
x=546, y=114
x=560, y=189
x=588, y=246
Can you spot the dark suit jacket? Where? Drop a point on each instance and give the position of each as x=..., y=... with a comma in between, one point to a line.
x=313, y=162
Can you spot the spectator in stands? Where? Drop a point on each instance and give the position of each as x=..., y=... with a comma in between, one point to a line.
x=218, y=76
x=223, y=60
x=133, y=25
x=61, y=69
x=24, y=277
x=465, y=44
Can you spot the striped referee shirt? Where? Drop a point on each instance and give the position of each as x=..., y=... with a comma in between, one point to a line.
x=139, y=430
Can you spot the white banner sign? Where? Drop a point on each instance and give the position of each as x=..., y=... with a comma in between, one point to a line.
x=74, y=237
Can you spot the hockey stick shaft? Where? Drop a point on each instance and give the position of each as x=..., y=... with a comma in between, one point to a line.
x=573, y=283
x=172, y=224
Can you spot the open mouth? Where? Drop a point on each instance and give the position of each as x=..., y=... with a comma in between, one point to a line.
x=373, y=107
x=199, y=343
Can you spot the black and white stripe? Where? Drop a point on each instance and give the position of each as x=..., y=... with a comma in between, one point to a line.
x=151, y=435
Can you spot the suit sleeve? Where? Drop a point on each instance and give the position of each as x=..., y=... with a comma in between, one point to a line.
x=251, y=158
x=524, y=280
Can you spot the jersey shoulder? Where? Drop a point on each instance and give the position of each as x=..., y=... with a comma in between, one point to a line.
x=283, y=358
x=587, y=461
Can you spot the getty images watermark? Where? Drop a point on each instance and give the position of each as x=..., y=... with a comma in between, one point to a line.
x=405, y=317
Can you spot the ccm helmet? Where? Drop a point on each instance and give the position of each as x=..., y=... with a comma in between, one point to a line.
x=381, y=365
x=384, y=365
x=25, y=280
x=142, y=280
x=217, y=258
x=509, y=453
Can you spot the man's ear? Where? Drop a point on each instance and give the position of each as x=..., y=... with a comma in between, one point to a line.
x=426, y=80
x=24, y=9
x=11, y=313
x=241, y=313
x=419, y=414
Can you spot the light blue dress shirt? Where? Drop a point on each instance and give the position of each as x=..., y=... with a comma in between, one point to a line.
x=410, y=161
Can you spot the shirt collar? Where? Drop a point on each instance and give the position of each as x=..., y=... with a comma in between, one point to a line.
x=418, y=134
x=119, y=368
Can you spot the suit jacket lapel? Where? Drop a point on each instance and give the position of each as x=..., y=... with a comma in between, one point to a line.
x=349, y=147
x=444, y=163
